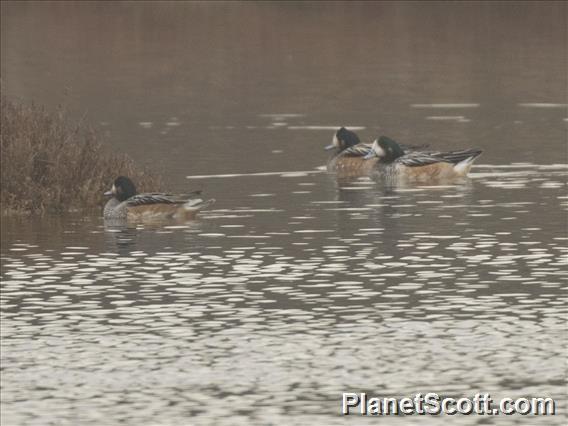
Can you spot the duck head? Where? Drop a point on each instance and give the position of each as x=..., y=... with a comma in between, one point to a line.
x=122, y=189
x=386, y=149
x=343, y=139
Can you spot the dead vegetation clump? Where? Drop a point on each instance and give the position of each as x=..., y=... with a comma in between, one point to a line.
x=46, y=165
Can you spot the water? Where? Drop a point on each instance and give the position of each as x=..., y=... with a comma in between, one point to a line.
x=294, y=287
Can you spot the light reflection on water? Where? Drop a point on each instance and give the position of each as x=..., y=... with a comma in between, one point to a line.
x=294, y=287
x=268, y=308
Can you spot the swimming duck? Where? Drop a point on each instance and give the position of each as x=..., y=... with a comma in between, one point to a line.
x=348, y=160
x=126, y=203
x=394, y=163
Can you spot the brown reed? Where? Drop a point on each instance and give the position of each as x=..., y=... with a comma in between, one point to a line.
x=48, y=165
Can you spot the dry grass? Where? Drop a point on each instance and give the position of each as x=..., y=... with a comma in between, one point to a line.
x=49, y=166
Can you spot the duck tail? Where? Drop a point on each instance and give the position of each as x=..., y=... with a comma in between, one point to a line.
x=190, y=208
x=462, y=167
x=197, y=204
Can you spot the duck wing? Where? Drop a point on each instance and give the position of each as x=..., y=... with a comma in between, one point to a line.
x=456, y=157
x=423, y=158
x=418, y=158
x=154, y=198
x=359, y=150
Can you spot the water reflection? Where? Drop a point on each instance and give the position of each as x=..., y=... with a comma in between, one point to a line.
x=270, y=302
x=295, y=287
x=191, y=90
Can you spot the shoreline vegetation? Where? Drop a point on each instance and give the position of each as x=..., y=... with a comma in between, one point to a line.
x=48, y=165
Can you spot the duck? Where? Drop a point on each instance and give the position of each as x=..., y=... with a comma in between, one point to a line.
x=394, y=163
x=127, y=204
x=348, y=159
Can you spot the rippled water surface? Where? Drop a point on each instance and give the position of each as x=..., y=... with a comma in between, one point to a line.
x=294, y=287
x=267, y=309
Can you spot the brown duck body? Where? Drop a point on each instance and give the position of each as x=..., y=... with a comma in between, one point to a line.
x=395, y=165
x=349, y=166
x=351, y=156
x=348, y=155
x=352, y=161
x=127, y=204
x=160, y=211
x=437, y=172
